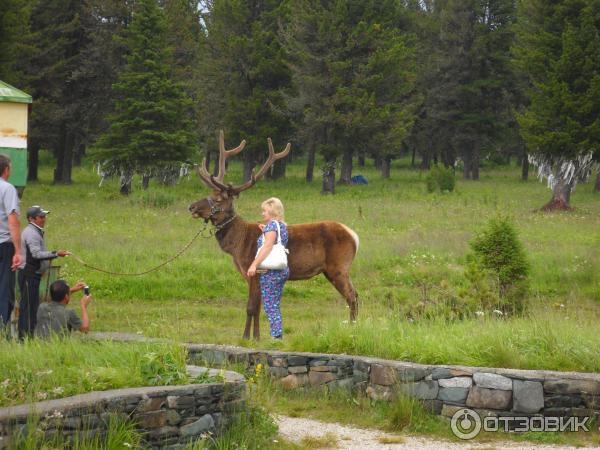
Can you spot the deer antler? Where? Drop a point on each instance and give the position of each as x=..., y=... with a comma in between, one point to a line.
x=268, y=163
x=217, y=182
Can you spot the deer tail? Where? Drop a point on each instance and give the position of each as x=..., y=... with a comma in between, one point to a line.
x=354, y=236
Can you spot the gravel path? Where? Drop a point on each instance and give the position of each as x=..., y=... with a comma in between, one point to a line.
x=348, y=438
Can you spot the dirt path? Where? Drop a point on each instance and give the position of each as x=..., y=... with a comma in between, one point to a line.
x=348, y=438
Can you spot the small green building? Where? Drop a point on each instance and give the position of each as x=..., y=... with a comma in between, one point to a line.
x=14, y=113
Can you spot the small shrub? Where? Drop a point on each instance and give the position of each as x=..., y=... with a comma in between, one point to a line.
x=441, y=178
x=497, y=248
x=446, y=179
x=431, y=182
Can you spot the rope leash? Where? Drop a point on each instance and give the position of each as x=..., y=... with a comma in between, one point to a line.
x=211, y=233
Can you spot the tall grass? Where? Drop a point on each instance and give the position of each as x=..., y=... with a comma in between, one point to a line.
x=38, y=370
x=413, y=245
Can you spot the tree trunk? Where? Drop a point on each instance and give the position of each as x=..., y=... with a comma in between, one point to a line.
x=310, y=163
x=413, y=157
x=278, y=170
x=329, y=177
x=125, y=182
x=467, y=165
x=32, y=162
x=425, y=162
x=64, y=157
x=145, y=181
x=248, y=166
x=475, y=165
x=385, y=167
x=361, y=159
x=525, y=168
x=597, y=184
x=377, y=162
x=346, y=170
x=561, y=196
x=79, y=154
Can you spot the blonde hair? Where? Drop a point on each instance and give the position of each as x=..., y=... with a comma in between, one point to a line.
x=275, y=208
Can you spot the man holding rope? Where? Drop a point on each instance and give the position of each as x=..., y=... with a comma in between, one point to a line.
x=36, y=260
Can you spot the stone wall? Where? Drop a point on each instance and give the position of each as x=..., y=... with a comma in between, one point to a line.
x=442, y=389
x=168, y=416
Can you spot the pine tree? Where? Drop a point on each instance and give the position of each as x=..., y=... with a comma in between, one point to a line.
x=467, y=81
x=353, y=64
x=558, y=48
x=245, y=77
x=14, y=31
x=152, y=125
x=56, y=42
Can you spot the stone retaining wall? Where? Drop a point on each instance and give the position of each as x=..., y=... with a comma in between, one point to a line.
x=442, y=389
x=168, y=416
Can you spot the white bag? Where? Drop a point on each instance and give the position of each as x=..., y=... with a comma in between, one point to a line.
x=277, y=258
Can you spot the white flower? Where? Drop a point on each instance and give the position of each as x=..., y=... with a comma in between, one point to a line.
x=5, y=383
x=55, y=414
x=127, y=444
x=479, y=313
x=562, y=306
x=498, y=312
x=344, y=321
x=42, y=395
x=58, y=390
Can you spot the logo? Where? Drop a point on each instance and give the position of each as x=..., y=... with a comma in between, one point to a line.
x=465, y=424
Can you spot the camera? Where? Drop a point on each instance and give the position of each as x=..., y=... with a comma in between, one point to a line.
x=86, y=290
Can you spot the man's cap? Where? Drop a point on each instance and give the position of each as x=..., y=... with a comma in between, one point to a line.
x=37, y=211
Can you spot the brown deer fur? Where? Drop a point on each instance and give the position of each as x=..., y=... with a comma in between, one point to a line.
x=322, y=247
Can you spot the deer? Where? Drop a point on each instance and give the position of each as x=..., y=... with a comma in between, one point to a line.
x=326, y=247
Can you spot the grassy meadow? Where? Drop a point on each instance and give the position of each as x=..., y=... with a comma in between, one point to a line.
x=413, y=248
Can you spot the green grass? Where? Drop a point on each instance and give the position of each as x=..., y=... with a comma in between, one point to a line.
x=38, y=370
x=413, y=247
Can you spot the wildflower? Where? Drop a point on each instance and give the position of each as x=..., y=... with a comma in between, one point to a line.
x=42, y=395
x=127, y=444
x=498, y=312
x=344, y=321
x=479, y=313
x=55, y=414
x=58, y=390
x=5, y=383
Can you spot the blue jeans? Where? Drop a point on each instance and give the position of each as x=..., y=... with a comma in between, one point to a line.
x=7, y=282
x=271, y=289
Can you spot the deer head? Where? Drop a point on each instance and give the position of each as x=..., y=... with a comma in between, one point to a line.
x=218, y=207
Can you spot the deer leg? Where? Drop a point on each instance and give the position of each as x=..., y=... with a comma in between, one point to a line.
x=255, y=311
x=257, y=321
x=251, y=306
x=345, y=287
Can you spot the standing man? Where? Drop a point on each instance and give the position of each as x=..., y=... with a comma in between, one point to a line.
x=10, y=241
x=36, y=260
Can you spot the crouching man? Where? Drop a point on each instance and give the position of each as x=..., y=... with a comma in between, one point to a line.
x=54, y=317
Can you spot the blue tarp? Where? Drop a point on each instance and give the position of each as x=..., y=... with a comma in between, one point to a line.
x=359, y=179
